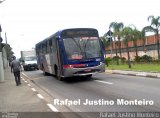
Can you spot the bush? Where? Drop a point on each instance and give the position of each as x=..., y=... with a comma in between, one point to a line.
x=107, y=61
x=146, y=58
x=116, y=59
x=123, y=59
x=137, y=59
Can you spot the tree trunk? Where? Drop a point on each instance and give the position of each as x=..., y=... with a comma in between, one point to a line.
x=136, y=50
x=129, y=62
x=119, y=44
x=157, y=37
x=117, y=60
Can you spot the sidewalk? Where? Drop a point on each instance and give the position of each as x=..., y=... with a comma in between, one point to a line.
x=20, y=98
x=135, y=73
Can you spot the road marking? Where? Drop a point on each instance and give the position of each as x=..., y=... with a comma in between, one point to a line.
x=33, y=89
x=52, y=107
x=25, y=75
x=29, y=85
x=22, y=78
x=40, y=96
x=25, y=81
x=103, y=82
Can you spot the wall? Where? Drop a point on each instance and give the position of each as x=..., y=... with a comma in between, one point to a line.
x=4, y=58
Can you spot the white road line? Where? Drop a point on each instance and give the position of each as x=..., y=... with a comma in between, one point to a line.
x=103, y=82
x=29, y=85
x=25, y=81
x=33, y=89
x=25, y=75
x=22, y=78
x=40, y=96
x=52, y=107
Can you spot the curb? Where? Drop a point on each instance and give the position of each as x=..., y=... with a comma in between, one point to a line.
x=134, y=73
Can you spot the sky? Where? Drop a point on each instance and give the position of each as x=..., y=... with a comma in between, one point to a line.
x=27, y=22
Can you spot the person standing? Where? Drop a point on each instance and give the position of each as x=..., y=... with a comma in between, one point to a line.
x=16, y=68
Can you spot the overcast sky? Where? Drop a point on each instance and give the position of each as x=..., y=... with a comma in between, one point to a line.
x=27, y=22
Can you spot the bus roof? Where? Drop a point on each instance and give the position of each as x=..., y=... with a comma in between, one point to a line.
x=58, y=33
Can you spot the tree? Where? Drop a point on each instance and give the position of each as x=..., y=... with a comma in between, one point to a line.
x=117, y=28
x=8, y=51
x=143, y=38
x=108, y=40
x=127, y=36
x=105, y=43
x=154, y=27
x=136, y=35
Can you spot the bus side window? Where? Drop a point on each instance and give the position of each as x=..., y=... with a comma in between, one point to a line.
x=54, y=45
x=37, y=50
x=47, y=48
x=44, y=48
x=40, y=49
x=50, y=45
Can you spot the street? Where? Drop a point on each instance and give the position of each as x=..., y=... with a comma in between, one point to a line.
x=104, y=92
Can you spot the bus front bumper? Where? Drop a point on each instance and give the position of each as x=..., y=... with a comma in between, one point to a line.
x=69, y=72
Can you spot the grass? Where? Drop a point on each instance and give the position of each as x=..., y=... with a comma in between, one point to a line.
x=136, y=67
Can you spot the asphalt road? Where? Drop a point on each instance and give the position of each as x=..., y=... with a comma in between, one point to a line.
x=104, y=92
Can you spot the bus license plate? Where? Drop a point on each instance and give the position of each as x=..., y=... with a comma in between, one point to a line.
x=87, y=70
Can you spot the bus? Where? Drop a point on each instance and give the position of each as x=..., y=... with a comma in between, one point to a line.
x=71, y=52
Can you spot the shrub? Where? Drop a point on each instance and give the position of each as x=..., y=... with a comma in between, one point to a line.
x=107, y=61
x=146, y=58
x=123, y=59
x=137, y=58
x=115, y=58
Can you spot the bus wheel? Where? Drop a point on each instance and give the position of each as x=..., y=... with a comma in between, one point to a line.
x=57, y=76
x=44, y=73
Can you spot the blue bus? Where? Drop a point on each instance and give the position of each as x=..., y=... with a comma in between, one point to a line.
x=71, y=52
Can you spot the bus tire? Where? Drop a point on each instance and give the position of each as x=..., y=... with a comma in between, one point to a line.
x=56, y=74
x=59, y=78
x=44, y=73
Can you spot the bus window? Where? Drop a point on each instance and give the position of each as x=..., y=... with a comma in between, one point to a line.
x=82, y=47
x=47, y=48
x=54, y=44
x=50, y=45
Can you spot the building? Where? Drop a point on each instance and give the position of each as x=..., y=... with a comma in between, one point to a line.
x=147, y=47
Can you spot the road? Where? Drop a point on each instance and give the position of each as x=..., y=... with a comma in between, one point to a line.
x=104, y=92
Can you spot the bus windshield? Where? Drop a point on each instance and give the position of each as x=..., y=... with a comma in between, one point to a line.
x=82, y=47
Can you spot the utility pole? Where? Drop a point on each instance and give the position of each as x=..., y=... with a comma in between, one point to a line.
x=1, y=60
